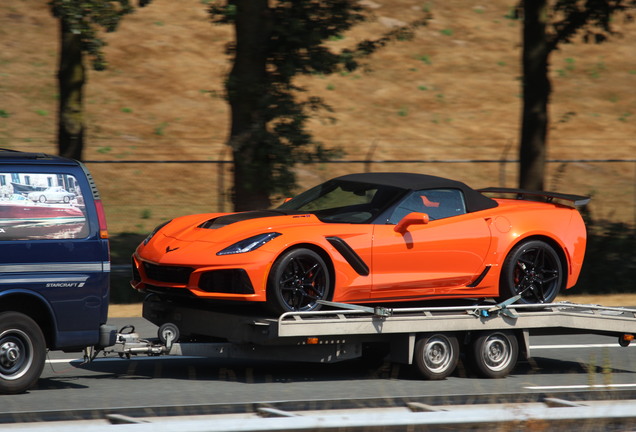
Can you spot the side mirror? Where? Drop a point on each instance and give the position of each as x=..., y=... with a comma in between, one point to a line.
x=411, y=219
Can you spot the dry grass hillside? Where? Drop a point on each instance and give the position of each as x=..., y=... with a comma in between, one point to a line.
x=451, y=93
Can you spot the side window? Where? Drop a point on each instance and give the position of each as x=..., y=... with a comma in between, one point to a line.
x=41, y=206
x=338, y=198
x=436, y=203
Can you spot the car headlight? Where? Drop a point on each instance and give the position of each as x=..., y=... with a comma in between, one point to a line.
x=249, y=244
x=155, y=231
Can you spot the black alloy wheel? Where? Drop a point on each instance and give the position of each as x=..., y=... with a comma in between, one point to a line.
x=299, y=278
x=533, y=270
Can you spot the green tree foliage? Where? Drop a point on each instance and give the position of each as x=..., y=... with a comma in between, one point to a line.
x=275, y=43
x=80, y=24
x=610, y=262
x=547, y=25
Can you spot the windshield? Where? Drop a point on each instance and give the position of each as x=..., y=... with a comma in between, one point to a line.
x=345, y=201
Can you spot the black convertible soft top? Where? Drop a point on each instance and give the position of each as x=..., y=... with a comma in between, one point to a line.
x=475, y=201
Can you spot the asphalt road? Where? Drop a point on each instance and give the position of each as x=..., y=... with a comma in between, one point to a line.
x=580, y=367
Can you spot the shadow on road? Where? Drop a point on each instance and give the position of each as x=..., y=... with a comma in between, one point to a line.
x=253, y=372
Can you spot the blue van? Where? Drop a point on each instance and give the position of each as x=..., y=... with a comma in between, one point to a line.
x=54, y=264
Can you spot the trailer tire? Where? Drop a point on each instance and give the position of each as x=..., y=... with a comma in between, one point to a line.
x=22, y=352
x=624, y=341
x=494, y=354
x=436, y=355
x=168, y=333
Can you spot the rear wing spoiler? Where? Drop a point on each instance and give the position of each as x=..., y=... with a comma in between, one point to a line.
x=577, y=200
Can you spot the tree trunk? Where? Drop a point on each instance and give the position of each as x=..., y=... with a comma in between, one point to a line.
x=246, y=88
x=71, y=77
x=536, y=93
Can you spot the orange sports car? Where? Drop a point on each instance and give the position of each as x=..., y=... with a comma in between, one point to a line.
x=371, y=238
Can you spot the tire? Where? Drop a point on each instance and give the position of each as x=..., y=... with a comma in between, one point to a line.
x=436, y=355
x=298, y=279
x=42, y=199
x=22, y=352
x=494, y=354
x=623, y=341
x=168, y=332
x=66, y=199
x=532, y=269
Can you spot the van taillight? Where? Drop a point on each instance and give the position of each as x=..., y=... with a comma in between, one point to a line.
x=101, y=217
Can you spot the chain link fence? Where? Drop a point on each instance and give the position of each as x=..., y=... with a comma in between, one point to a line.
x=144, y=182
x=139, y=194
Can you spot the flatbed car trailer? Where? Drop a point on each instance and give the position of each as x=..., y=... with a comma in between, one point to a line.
x=492, y=337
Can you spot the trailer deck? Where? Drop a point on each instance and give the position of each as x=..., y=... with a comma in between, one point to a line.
x=491, y=335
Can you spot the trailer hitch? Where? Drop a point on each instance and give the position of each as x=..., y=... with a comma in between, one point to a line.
x=128, y=343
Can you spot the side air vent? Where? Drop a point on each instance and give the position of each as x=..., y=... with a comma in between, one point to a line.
x=349, y=255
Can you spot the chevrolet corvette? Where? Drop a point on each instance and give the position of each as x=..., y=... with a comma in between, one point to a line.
x=372, y=238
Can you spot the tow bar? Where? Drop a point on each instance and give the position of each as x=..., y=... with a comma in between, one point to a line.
x=128, y=342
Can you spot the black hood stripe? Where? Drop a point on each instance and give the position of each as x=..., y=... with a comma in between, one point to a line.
x=225, y=220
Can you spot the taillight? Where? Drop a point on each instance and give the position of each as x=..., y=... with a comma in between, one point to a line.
x=101, y=218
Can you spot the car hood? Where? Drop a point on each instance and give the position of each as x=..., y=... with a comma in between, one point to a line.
x=232, y=227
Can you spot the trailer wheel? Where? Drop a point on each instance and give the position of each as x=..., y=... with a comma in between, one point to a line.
x=22, y=352
x=624, y=340
x=297, y=280
x=168, y=333
x=495, y=354
x=436, y=355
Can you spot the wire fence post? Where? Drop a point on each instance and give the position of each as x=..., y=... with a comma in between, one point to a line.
x=369, y=158
x=220, y=192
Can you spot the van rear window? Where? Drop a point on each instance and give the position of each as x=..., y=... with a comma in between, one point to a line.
x=41, y=206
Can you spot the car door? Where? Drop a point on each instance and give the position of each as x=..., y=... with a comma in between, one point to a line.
x=439, y=257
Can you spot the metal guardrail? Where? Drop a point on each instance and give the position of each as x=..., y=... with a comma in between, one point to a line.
x=552, y=414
